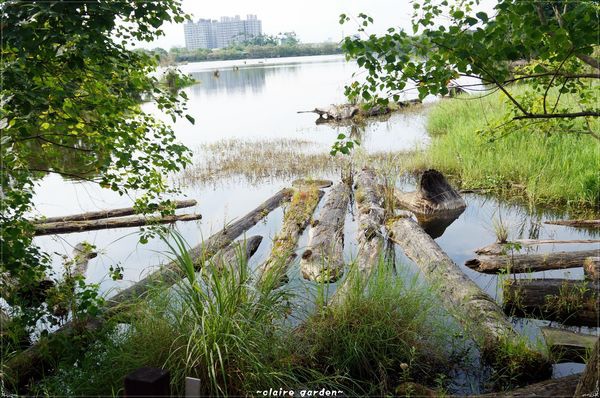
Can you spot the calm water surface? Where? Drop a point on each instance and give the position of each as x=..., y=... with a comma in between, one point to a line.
x=259, y=101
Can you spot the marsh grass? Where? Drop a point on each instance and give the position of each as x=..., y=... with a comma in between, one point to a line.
x=258, y=162
x=536, y=163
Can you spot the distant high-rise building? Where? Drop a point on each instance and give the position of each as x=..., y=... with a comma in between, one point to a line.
x=208, y=33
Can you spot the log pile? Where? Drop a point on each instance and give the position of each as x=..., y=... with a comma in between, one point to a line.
x=323, y=260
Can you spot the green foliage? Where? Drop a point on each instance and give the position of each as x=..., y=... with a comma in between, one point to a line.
x=70, y=98
x=451, y=39
x=532, y=165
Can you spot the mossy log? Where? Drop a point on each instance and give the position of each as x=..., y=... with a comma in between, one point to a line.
x=461, y=295
x=519, y=263
x=591, y=268
x=568, y=346
x=97, y=215
x=109, y=223
x=369, y=201
x=298, y=215
x=434, y=195
x=571, y=302
x=496, y=248
x=323, y=260
x=589, y=383
x=576, y=223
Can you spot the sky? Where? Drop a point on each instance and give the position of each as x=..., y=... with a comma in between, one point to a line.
x=312, y=20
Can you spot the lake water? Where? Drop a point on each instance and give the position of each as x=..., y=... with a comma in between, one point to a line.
x=259, y=101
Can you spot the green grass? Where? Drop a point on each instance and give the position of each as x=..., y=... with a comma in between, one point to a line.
x=236, y=337
x=533, y=162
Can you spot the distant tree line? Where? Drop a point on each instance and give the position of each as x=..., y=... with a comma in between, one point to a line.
x=263, y=46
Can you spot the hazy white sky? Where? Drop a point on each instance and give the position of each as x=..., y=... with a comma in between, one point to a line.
x=312, y=20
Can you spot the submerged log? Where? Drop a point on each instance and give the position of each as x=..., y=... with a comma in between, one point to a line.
x=591, y=268
x=433, y=196
x=496, y=248
x=170, y=273
x=234, y=254
x=369, y=201
x=562, y=387
x=297, y=217
x=571, y=302
x=518, y=263
x=460, y=294
x=122, y=222
x=568, y=346
x=589, y=383
x=97, y=215
x=323, y=260
x=576, y=223
x=303, y=183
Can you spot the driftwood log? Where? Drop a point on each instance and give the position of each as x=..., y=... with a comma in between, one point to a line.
x=122, y=222
x=571, y=302
x=233, y=255
x=323, y=260
x=589, y=383
x=348, y=111
x=519, y=263
x=434, y=195
x=496, y=248
x=298, y=215
x=576, y=223
x=472, y=306
x=568, y=346
x=97, y=215
x=369, y=201
x=591, y=268
x=32, y=362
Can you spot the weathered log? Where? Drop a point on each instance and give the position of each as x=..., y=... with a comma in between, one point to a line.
x=295, y=220
x=97, y=215
x=496, y=248
x=369, y=201
x=473, y=306
x=323, y=259
x=348, y=111
x=81, y=257
x=231, y=256
x=568, y=346
x=589, y=383
x=591, y=268
x=562, y=387
x=571, y=302
x=518, y=263
x=170, y=273
x=303, y=183
x=576, y=223
x=433, y=196
x=109, y=223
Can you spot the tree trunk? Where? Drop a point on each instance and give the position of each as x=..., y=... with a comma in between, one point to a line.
x=568, y=301
x=323, y=260
x=297, y=217
x=97, y=215
x=369, y=201
x=568, y=346
x=591, y=268
x=576, y=223
x=475, y=308
x=589, y=383
x=519, y=263
x=109, y=223
x=496, y=248
x=433, y=196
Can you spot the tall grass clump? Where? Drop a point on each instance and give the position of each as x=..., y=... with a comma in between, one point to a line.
x=387, y=330
x=536, y=161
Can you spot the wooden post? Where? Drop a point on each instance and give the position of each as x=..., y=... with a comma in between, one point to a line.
x=148, y=382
